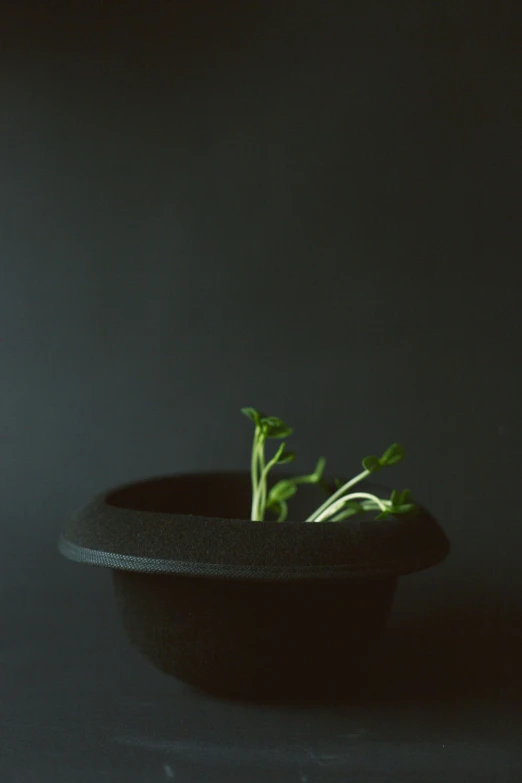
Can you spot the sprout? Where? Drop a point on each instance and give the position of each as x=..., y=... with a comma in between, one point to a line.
x=340, y=504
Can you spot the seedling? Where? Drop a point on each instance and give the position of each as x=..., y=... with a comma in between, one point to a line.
x=341, y=504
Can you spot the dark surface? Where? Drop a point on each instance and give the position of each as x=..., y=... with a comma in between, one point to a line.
x=311, y=207
x=78, y=705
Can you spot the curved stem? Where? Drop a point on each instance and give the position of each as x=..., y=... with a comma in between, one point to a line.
x=261, y=461
x=262, y=490
x=366, y=505
x=283, y=512
x=314, y=517
x=257, y=466
x=340, y=503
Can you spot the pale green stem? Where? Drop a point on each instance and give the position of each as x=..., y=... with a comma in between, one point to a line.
x=342, y=502
x=257, y=466
x=314, y=516
x=261, y=461
x=366, y=506
x=254, y=475
x=262, y=490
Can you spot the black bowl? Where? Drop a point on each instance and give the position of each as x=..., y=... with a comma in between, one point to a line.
x=259, y=610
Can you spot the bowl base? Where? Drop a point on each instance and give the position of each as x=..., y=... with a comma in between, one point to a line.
x=257, y=641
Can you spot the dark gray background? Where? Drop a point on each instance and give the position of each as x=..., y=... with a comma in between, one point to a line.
x=312, y=207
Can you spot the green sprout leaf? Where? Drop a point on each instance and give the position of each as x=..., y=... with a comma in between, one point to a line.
x=392, y=455
x=253, y=414
x=287, y=487
x=401, y=502
x=272, y=421
x=314, y=477
x=372, y=463
x=404, y=508
x=404, y=497
x=283, y=490
x=274, y=427
x=319, y=468
x=397, y=510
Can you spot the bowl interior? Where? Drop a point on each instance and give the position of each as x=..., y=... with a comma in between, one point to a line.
x=222, y=494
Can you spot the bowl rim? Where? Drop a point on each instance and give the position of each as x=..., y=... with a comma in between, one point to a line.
x=156, y=542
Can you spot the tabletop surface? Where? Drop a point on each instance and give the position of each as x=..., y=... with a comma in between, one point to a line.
x=78, y=704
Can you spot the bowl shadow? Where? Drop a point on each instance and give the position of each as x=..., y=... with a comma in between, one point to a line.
x=457, y=654
x=463, y=652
